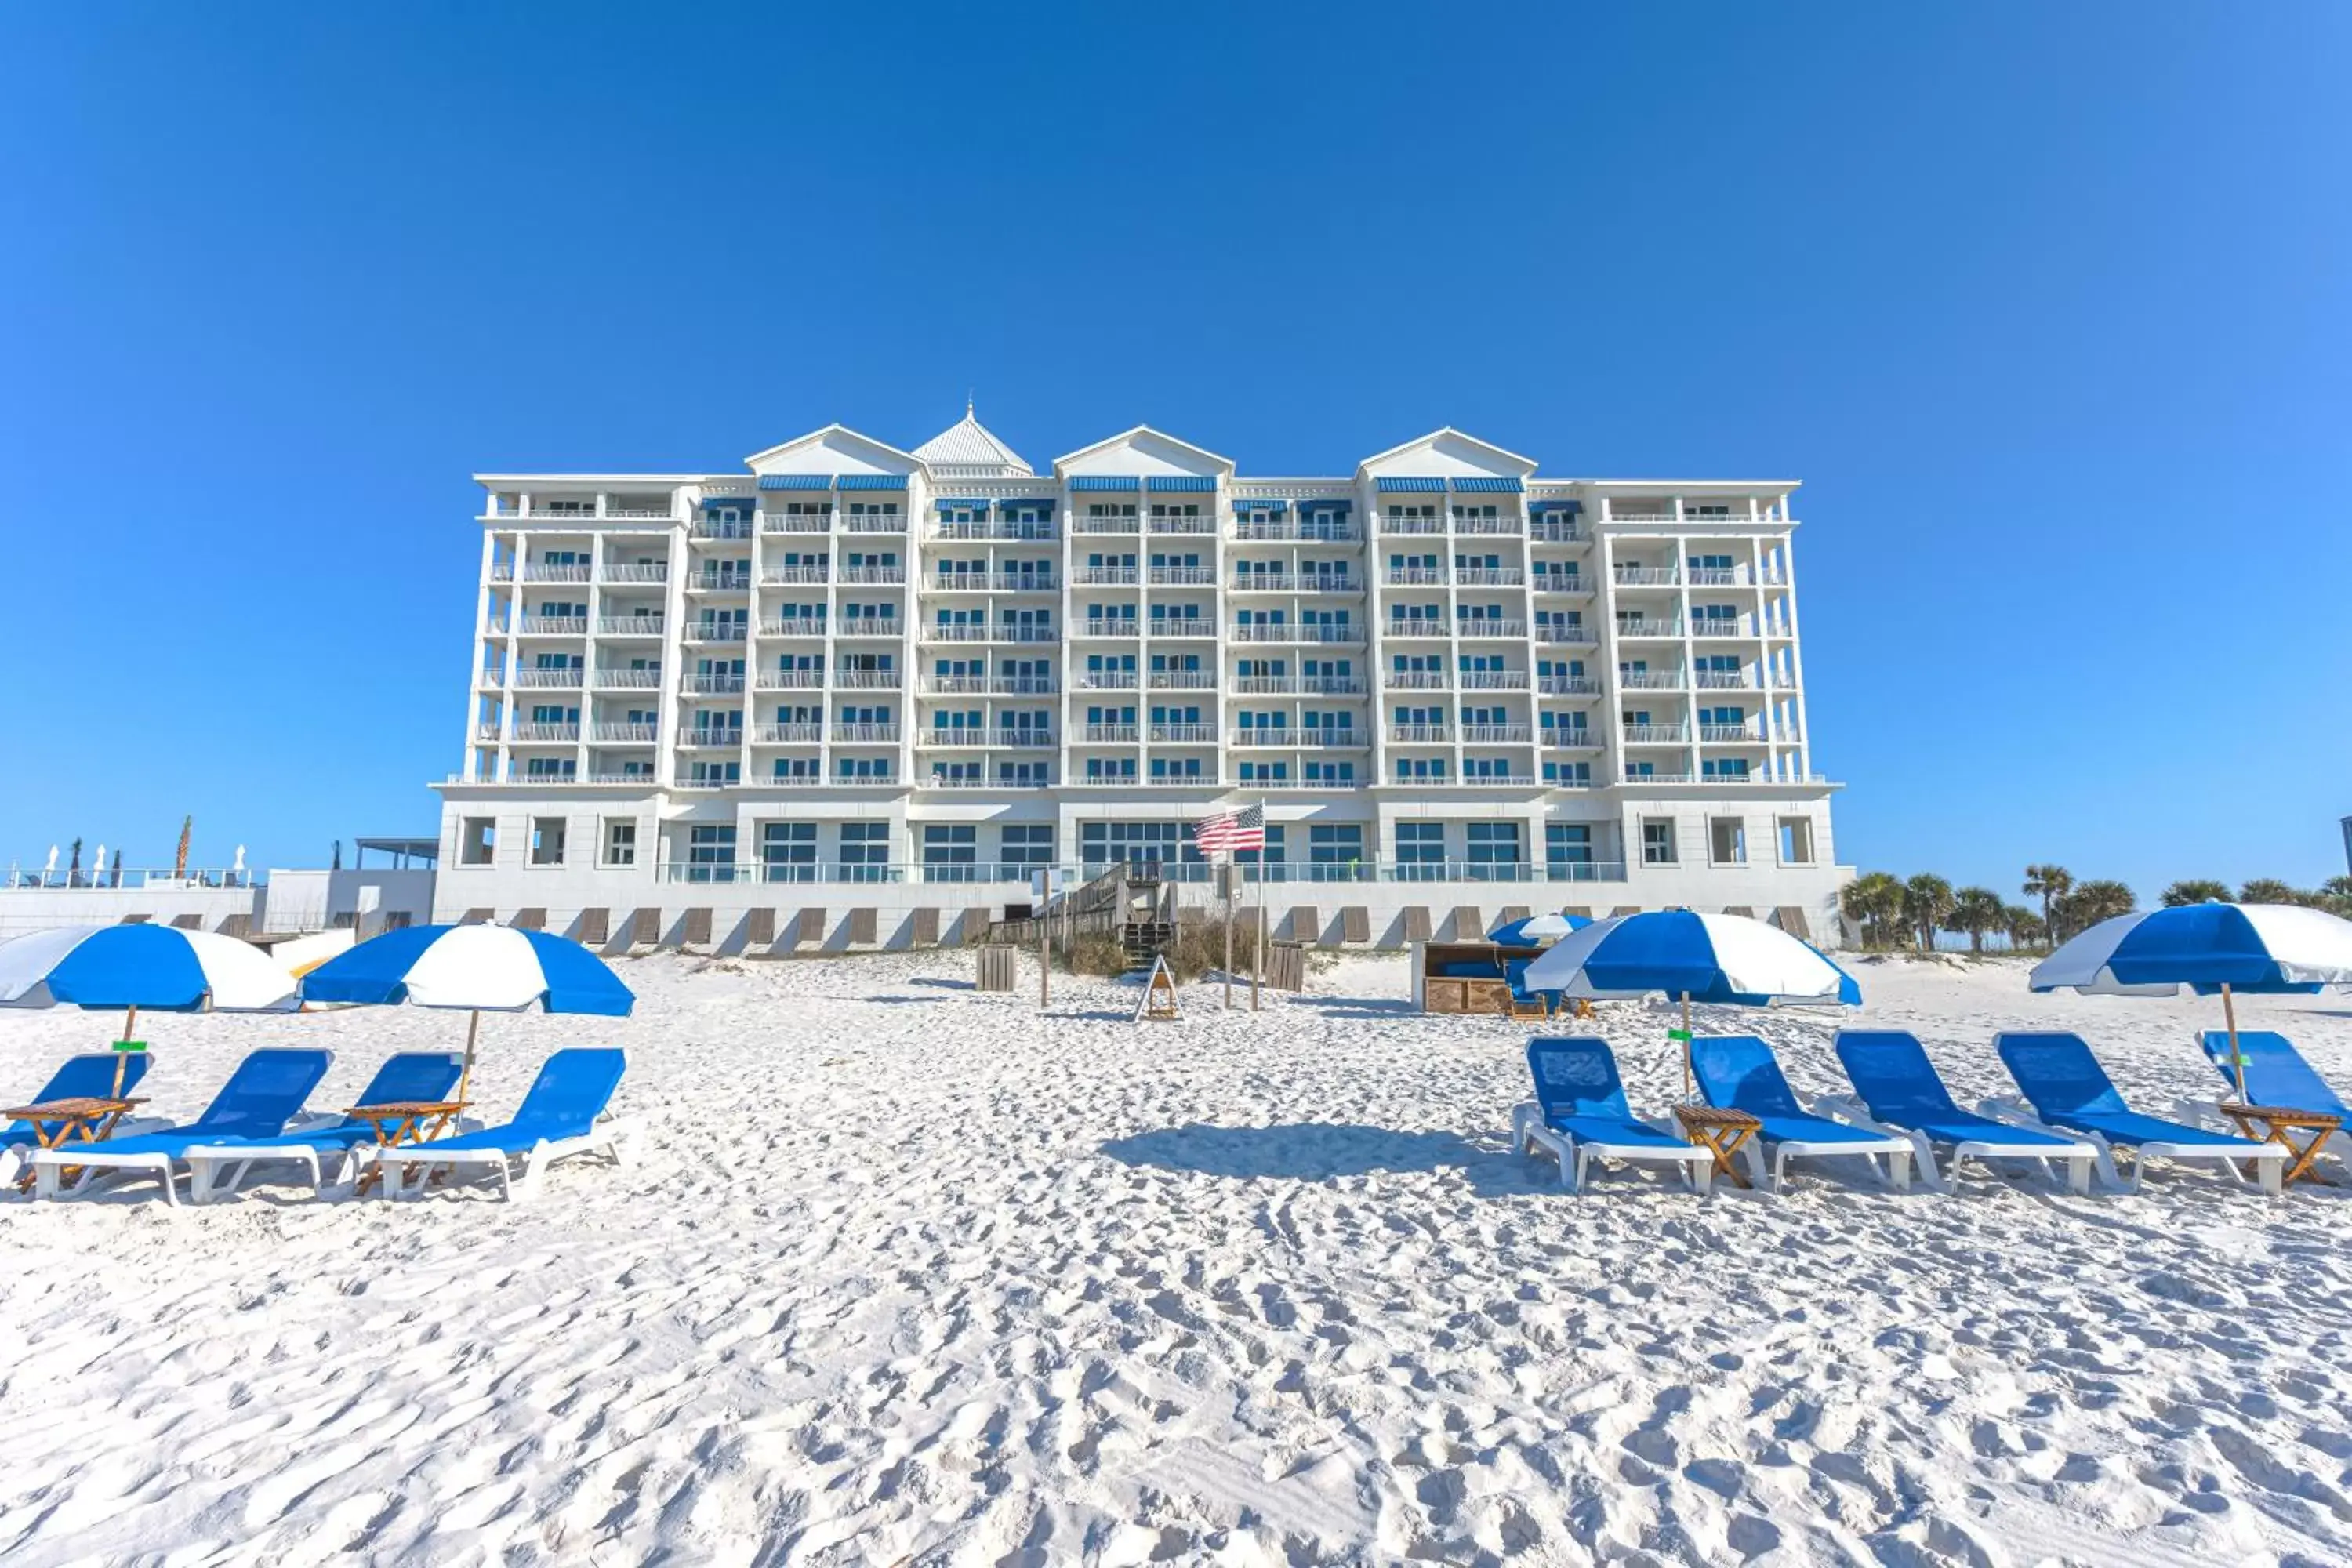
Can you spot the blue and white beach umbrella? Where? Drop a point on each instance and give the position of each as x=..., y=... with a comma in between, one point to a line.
x=161, y=968
x=473, y=968
x=1537, y=929
x=2208, y=947
x=1698, y=958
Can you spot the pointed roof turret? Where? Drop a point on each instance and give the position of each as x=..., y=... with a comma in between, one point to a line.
x=966, y=450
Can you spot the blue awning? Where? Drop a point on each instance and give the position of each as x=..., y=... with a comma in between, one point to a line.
x=1185, y=483
x=1569, y=507
x=1104, y=482
x=873, y=482
x=1259, y=503
x=1043, y=503
x=1336, y=505
x=1417, y=485
x=1489, y=486
x=976, y=503
x=710, y=501
x=796, y=481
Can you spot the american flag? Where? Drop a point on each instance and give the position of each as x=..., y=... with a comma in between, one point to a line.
x=1244, y=829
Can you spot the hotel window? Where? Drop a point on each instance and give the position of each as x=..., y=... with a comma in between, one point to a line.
x=788, y=851
x=1726, y=841
x=865, y=851
x=711, y=853
x=1567, y=845
x=1796, y=841
x=1658, y=841
x=1494, y=849
x=1272, y=855
x=477, y=840
x=1021, y=846
x=1343, y=773
x=1336, y=849
x=1419, y=851
x=621, y=841
x=1026, y=775
x=547, y=841
x=550, y=768
x=950, y=852
x=1723, y=768
x=1568, y=775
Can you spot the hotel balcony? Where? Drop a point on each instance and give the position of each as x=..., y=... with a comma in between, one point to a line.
x=874, y=576
x=1182, y=680
x=631, y=625
x=789, y=680
x=1570, y=582
x=1567, y=686
x=1488, y=576
x=1411, y=525
x=973, y=631
x=1413, y=577
x=720, y=631
x=869, y=680
x=1490, y=626
x=1492, y=680
x=954, y=685
x=538, y=572
x=1404, y=628
x=1489, y=525
x=1314, y=632
x=1645, y=628
x=1418, y=680
x=1296, y=686
x=1182, y=577
x=1031, y=739
x=1568, y=738
x=1729, y=735
x=1284, y=531
x=1024, y=686
x=1645, y=576
x=628, y=680
x=790, y=626
x=795, y=522
x=1186, y=627
x=1108, y=626
x=1335, y=737
x=1105, y=680
x=1422, y=735
x=1275, y=735
x=788, y=735
x=1184, y=734
x=553, y=626
x=633, y=571
x=1723, y=680
x=1555, y=632
x=1025, y=582
x=781, y=576
x=1544, y=531
x=1104, y=576
x=1183, y=525
x=551, y=679
x=1105, y=525
x=1496, y=734
x=713, y=528
x=871, y=627
x=707, y=581
x=625, y=734
x=867, y=735
x=1110, y=734
x=873, y=523
x=1656, y=735
x=697, y=685
x=716, y=737
x=1720, y=626
x=1650, y=680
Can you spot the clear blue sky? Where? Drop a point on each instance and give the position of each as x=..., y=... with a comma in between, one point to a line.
x=2047, y=306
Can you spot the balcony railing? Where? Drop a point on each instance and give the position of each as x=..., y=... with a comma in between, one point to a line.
x=1105, y=525
x=1489, y=525
x=1492, y=680
x=1656, y=735
x=1649, y=679
x=787, y=626
x=795, y=522
x=1027, y=583
x=1181, y=626
x=1645, y=576
x=872, y=627
x=1495, y=734
x=1182, y=577
x=1262, y=735
x=1108, y=626
x=538, y=571
x=1031, y=739
x=1025, y=686
x=789, y=734
x=1729, y=735
x=1184, y=734
x=1287, y=530
x=1296, y=686
x=874, y=576
x=627, y=679
x=710, y=735
x=1726, y=627
x=563, y=679
x=1418, y=680
x=1723, y=680
x=1110, y=734
x=1413, y=525
x=1567, y=686
x=954, y=685
x=1421, y=628
x=1105, y=680
x=1641, y=629
x=1488, y=576
x=1568, y=737
x=631, y=625
x=1183, y=681
x=996, y=529
x=789, y=679
x=1544, y=532
x=1489, y=626
x=974, y=631
x=544, y=733
x=867, y=735
x=1333, y=737
x=1105, y=577
x=1183, y=525
x=719, y=631
x=1556, y=632
x=1413, y=577
x=710, y=581
x=553, y=626
x=1562, y=583
x=779, y=576
x=873, y=523
x=1312, y=631
x=869, y=680
x=1421, y=735
x=619, y=572
x=627, y=734
x=713, y=528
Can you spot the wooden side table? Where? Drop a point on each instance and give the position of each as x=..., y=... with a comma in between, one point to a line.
x=401, y=1122
x=2279, y=1124
x=57, y=1122
x=1720, y=1133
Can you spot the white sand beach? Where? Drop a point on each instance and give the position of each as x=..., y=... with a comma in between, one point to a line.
x=908, y=1274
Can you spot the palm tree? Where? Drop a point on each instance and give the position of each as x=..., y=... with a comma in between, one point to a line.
x=2049, y=884
x=1976, y=911
x=2092, y=902
x=2024, y=927
x=2335, y=895
x=1873, y=902
x=2196, y=891
x=2269, y=890
x=1926, y=900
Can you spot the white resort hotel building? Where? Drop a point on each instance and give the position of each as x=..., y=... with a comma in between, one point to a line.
x=856, y=695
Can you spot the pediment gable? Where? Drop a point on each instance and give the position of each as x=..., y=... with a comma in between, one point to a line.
x=1448, y=454
x=836, y=450
x=1147, y=452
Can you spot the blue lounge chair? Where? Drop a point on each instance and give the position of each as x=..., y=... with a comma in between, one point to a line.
x=216, y=1169
x=2070, y=1092
x=261, y=1096
x=1902, y=1096
x=2276, y=1073
x=1739, y=1072
x=88, y=1076
x=563, y=1114
x=1580, y=1113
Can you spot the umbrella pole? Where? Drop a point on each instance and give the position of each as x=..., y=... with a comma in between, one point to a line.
x=130, y=1022
x=473, y=1028
x=1686, y=1047
x=2237, y=1058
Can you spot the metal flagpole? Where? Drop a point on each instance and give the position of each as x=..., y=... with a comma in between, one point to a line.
x=1225, y=887
x=1257, y=937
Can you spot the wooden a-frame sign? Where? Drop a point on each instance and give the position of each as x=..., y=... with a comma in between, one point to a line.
x=1158, y=1002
